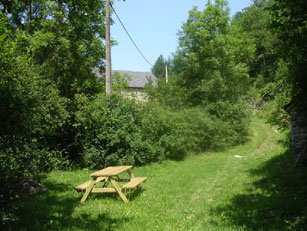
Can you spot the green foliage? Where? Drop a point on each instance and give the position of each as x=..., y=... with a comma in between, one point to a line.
x=120, y=82
x=159, y=67
x=269, y=69
x=205, y=102
x=213, y=78
x=171, y=94
x=113, y=130
x=201, y=130
x=255, y=22
x=234, y=121
x=107, y=130
x=30, y=105
x=277, y=94
x=52, y=107
x=290, y=24
x=211, y=55
x=206, y=192
x=165, y=129
x=31, y=114
x=64, y=38
x=18, y=160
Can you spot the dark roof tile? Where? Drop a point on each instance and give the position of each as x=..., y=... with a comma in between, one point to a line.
x=138, y=79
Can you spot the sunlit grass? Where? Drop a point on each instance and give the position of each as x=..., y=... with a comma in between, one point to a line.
x=212, y=191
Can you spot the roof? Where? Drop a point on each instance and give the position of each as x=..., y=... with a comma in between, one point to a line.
x=138, y=79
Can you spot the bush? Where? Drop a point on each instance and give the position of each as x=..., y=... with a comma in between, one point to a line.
x=202, y=129
x=19, y=158
x=171, y=95
x=112, y=130
x=31, y=113
x=234, y=119
x=108, y=132
x=165, y=129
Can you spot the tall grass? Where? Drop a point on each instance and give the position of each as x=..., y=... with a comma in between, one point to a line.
x=260, y=191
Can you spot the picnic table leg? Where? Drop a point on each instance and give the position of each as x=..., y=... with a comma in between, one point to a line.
x=88, y=190
x=130, y=174
x=106, y=182
x=119, y=191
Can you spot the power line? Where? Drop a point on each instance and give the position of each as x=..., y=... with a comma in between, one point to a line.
x=130, y=36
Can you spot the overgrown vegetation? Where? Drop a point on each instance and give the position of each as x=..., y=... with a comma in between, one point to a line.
x=212, y=191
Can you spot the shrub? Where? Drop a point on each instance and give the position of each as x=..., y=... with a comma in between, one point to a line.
x=171, y=94
x=202, y=129
x=112, y=130
x=31, y=113
x=235, y=118
x=108, y=131
x=19, y=158
x=164, y=129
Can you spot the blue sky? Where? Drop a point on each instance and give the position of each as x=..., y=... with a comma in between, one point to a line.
x=153, y=24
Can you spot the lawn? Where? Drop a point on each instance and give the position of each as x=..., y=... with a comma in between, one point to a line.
x=211, y=191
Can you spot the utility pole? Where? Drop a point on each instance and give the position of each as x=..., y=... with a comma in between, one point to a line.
x=166, y=74
x=108, y=51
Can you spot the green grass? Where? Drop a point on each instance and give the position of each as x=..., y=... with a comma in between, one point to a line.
x=212, y=191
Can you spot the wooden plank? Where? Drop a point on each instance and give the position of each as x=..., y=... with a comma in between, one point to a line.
x=130, y=174
x=119, y=191
x=84, y=185
x=107, y=181
x=88, y=190
x=111, y=171
x=103, y=190
x=99, y=179
x=134, y=182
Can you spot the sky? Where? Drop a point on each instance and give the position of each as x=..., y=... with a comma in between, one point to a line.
x=153, y=25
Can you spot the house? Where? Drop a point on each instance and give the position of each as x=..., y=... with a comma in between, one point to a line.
x=298, y=134
x=136, y=81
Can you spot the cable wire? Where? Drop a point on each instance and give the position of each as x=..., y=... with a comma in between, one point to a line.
x=130, y=36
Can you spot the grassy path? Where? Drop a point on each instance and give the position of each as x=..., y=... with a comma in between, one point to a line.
x=213, y=191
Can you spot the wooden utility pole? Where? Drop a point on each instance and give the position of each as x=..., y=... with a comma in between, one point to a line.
x=108, y=51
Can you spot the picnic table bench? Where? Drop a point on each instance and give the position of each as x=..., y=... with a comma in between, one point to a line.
x=110, y=175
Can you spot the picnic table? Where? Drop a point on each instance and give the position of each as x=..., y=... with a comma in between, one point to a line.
x=110, y=175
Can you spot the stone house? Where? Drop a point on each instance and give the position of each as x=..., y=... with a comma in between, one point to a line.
x=298, y=134
x=136, y=82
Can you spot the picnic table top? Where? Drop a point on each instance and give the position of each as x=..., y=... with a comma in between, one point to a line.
x=111, y=171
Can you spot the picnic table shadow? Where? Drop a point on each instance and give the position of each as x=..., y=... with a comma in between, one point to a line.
x=52, y=212
x=277, y=202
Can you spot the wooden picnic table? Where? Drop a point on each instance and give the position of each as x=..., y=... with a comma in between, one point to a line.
x=110, y=175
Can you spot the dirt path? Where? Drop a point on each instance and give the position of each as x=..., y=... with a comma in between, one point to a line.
x=265, y=143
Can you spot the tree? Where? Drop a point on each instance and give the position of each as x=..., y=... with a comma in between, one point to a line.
x=31, y=114
x=255, y=22
x=65, y=41
x=211, y=54
x=290, y=23
x=159, y=67
x=211, y=64
x=65, y=38
x=267, y=68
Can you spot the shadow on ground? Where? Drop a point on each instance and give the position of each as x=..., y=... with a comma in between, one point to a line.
x=51, y=211
x=277, y=202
